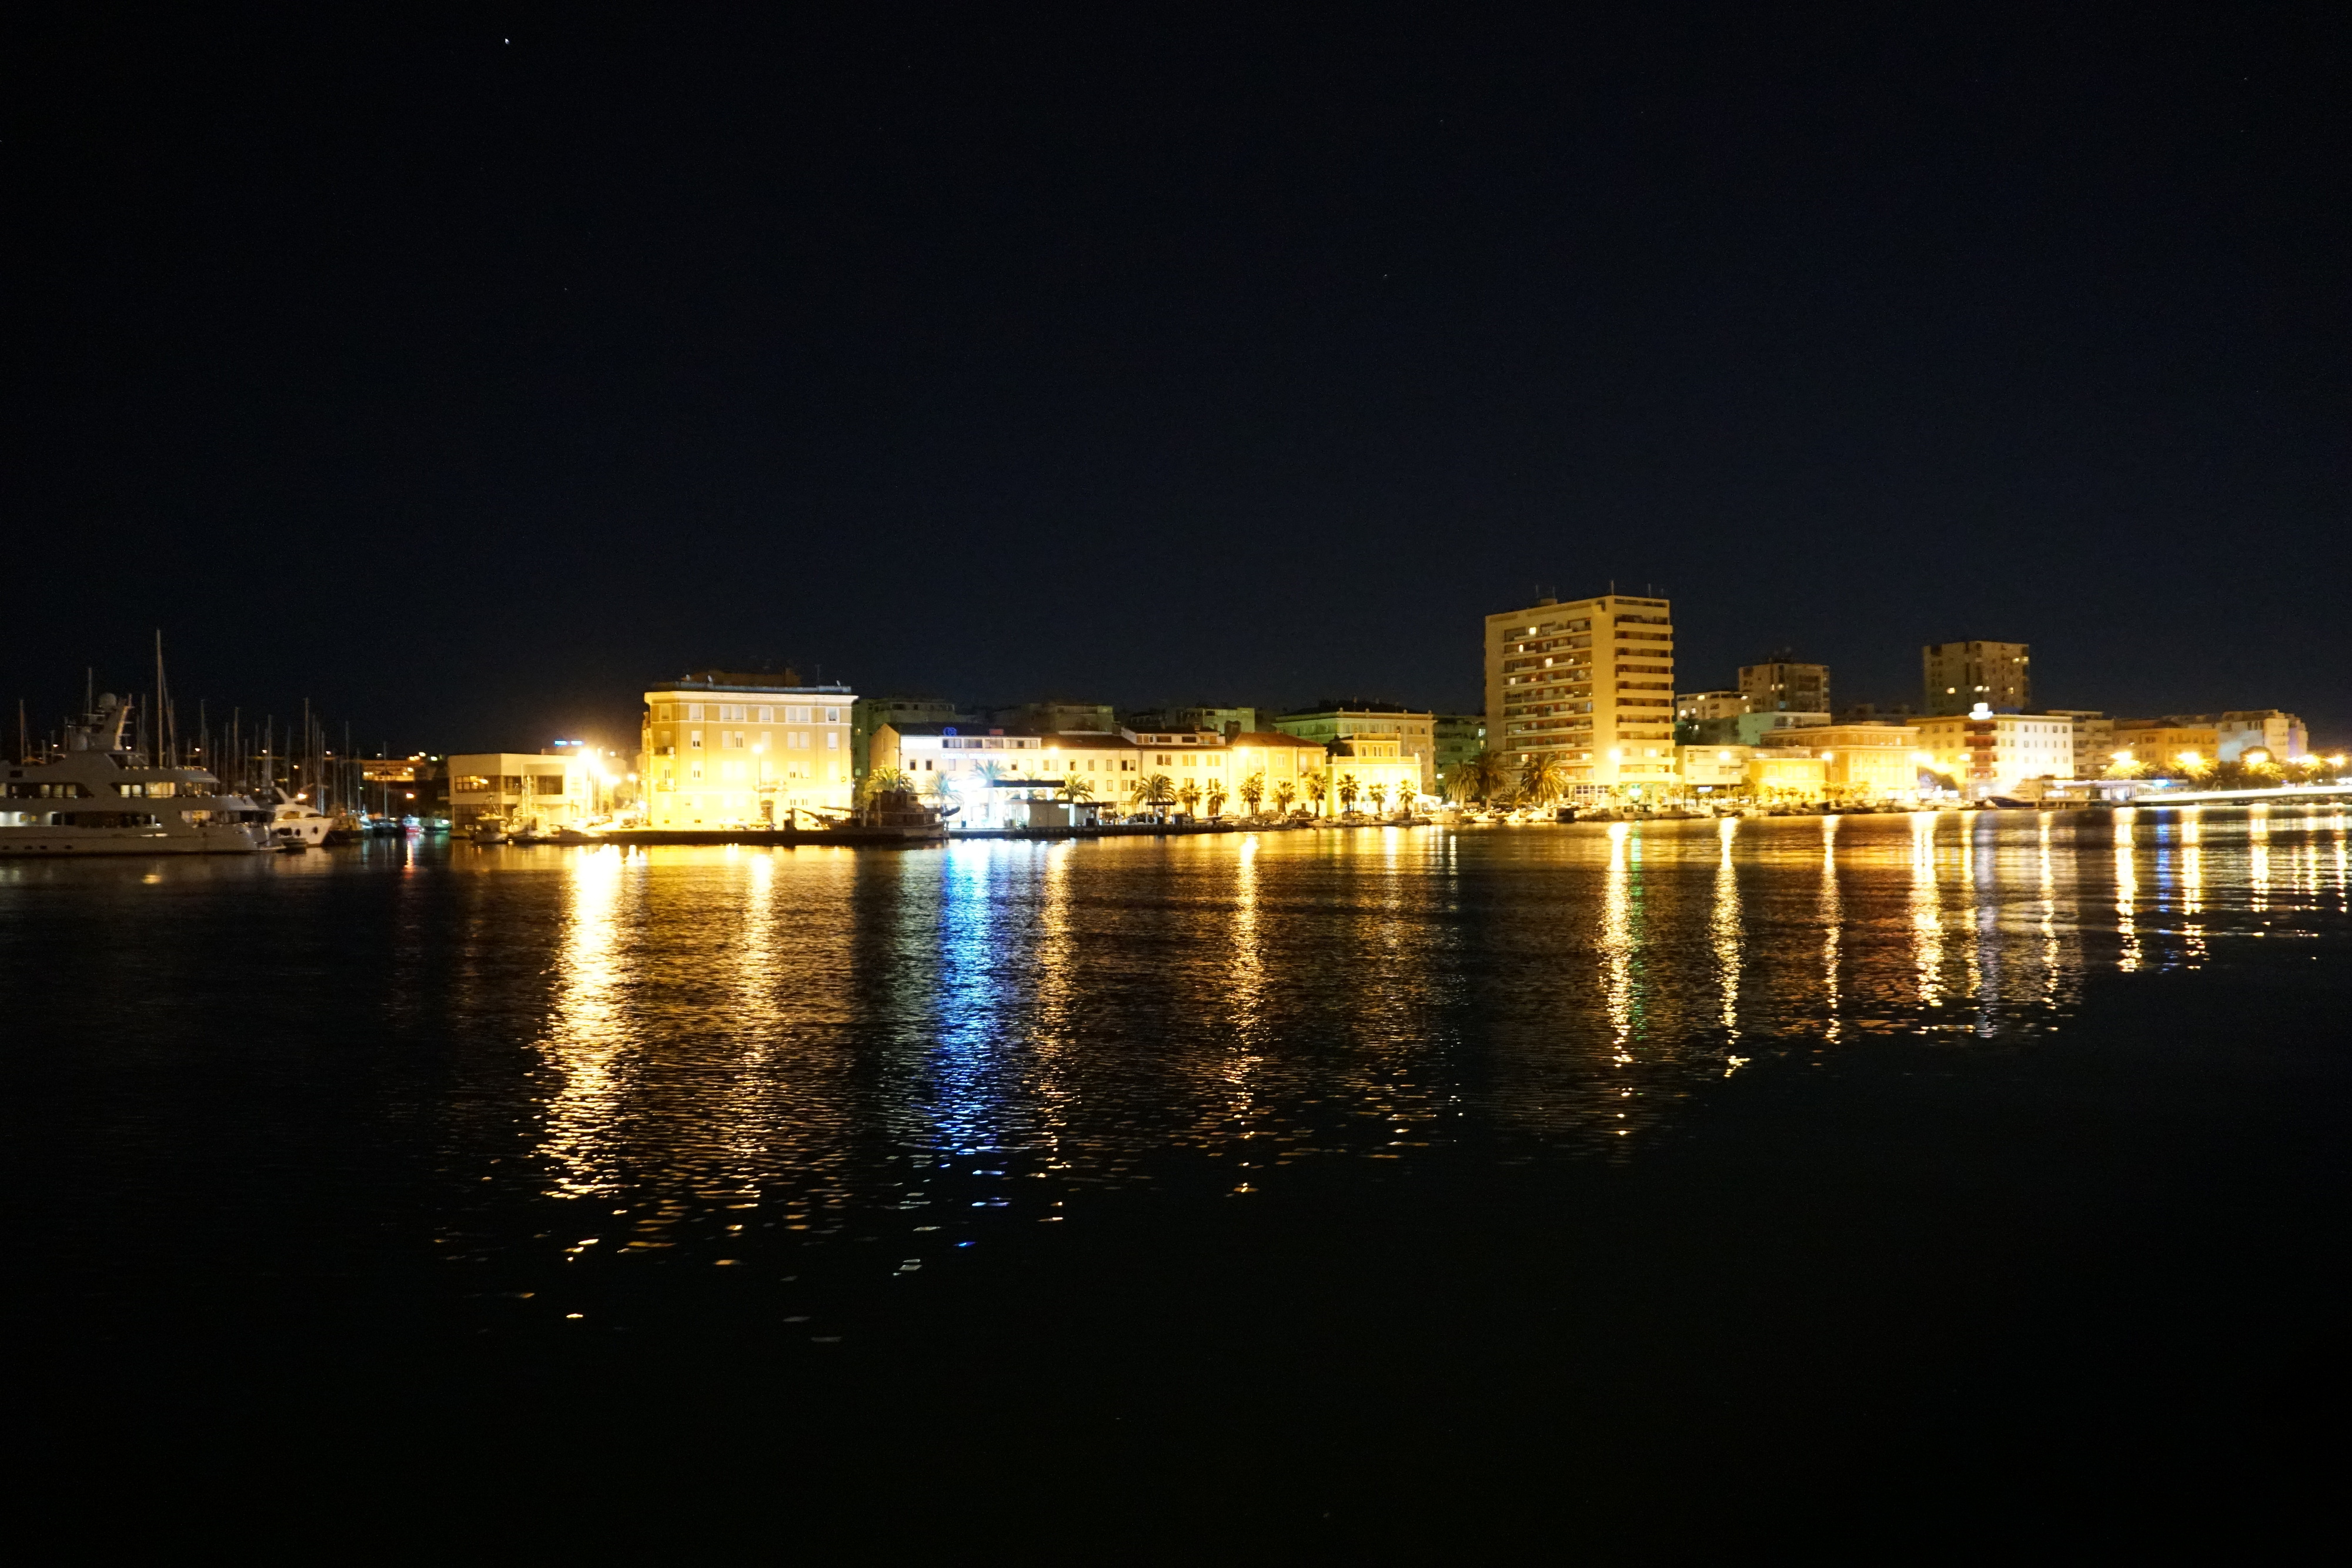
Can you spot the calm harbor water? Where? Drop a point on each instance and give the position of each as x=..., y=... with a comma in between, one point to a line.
x=1329, y=1176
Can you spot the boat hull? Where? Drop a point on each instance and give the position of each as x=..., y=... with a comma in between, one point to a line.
x=66, y=843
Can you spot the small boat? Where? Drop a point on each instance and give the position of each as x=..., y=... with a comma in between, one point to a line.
x=573, y=836
x=895, y=813
x=487, y=832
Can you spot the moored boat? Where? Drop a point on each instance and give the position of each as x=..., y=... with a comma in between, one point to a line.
x=99, y=798
x=295, y=823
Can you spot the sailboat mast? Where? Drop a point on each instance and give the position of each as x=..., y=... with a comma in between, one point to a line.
x=159, y=759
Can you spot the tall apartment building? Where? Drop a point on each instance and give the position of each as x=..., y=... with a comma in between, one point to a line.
x=729, y=750
x=1780, y=685
x=1590, y=681
x=1958, y=675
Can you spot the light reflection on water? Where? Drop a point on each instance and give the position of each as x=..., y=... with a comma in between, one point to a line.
x=733, y=1043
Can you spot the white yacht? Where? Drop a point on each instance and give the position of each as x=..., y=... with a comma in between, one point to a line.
x=298, y=824
x=97, y=799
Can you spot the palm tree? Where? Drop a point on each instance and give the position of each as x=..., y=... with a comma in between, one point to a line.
x=1075, y=789
x=1216, y=800
x=1483, y=779
x=1545, y=779
x=1284, y=794
x=1253, y=790
x=1378, y=793
x=1313, y=786
x=1153, y=791
x=879, y=782
x=1349, y=790
x=1190, y=796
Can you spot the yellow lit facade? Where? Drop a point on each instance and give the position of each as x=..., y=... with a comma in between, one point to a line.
x=1371, y=762
x=2158, y=745
x=1590, y=681
x=1783, y=773
x=1414, y=732
x=729, y=752
x=1277, y=759
x=1862, y=762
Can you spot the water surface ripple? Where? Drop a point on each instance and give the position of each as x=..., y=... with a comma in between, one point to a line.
x=730, y=1057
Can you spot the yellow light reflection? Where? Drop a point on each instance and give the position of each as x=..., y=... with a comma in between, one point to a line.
x=2127, y=891
x=1617, y=941
x=587, y=1031
x=2192, y=885
x=2258, y=854
x=2050, y=954
x=1723, y=928
x=1926, y=908
x=1832, y=911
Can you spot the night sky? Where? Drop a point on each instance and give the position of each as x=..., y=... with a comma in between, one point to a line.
x=462, y=367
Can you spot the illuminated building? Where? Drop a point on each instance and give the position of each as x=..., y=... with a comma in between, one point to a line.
x=997, y=778
x=2162, y=744
x=1110, y=763
x=1276, y=758
x=1589, y=681
x=1371, y=762
x=923, y=751
x=2095, y=739
x=393, y=770
x=2282, y=735
x=1699, y=708
x=868, y=714
x=1958, y=675
x=1782, y=685
x=1861, y=762
x=1712, y=769
x=1988, y=752
x=1786, y=773
x=553, y=789
x=1750, y=728
x=729, y=750
x=1331, y=723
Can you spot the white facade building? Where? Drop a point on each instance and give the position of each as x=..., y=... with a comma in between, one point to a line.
x=1988, y=753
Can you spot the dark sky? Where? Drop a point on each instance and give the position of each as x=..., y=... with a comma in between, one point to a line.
x=460, y=367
